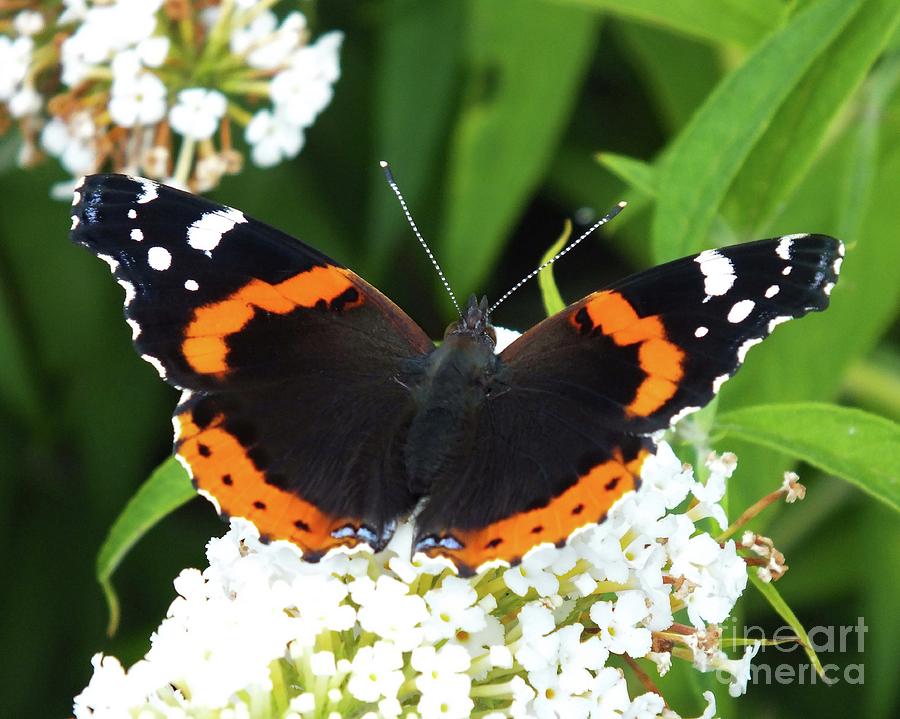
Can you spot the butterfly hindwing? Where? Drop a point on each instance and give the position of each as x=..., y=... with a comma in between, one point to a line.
x=583, y=389
x=287, y=360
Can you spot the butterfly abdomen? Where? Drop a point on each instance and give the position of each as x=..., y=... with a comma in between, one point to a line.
x=455, y=382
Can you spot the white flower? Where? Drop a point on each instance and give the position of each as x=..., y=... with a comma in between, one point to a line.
x=710, y=495
x=25, y=102
x=266, y=47
x=197, y=112
x=716, y=576
x=710, y=711
x=619, y=624
x=73, y=143
x=377, y=672
x=304, y=89
x=439, y=668
x=646, y=706
x=609, y=694
x=15, y=56
x=138, y=101
x=388, y=610
x=273, y=138
x=28, y=22
x=445, y=704
x=452, y=610
x=539, y=569
x=578, y=659
x=740, y=669
x=553, y=700
x=666, y=474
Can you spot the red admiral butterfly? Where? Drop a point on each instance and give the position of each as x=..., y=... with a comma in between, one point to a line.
x=316, y=408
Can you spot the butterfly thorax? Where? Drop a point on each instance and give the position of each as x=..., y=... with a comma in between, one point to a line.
x=450, y=390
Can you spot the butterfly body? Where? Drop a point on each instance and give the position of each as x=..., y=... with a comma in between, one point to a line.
x=313, y=406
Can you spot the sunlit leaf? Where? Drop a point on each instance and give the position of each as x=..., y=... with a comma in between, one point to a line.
x=165, y=490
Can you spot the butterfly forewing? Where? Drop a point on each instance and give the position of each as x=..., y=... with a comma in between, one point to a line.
x=287, y=359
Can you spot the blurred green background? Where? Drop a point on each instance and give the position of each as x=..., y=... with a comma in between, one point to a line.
x=720, y=120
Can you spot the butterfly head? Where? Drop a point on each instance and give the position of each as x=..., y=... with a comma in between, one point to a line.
x=474, y=323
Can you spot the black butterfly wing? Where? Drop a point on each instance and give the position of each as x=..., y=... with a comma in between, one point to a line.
x=287, y=360
x=582, y=389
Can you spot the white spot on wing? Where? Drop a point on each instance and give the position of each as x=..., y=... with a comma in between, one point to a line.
x=137, y=235
x=787, y=270
x=772, y=291
x=718, y=382
x=783, y=250
x=148, y=190
x=206, y=233
x=828, y=288
x=132, y=214
x=740, y=311
x=745, y=348
x=74, y=222
x=683, y=413
x=156, y=364
x=836, y=265
x=135, y=328
x=841, y=249
x=76, y=198
x=129, y=291
x=701, y=332
x=113, y=264
x=159, y=258
x=773, y=323
x=718, y=273
x=191, y=285
x=80, y=182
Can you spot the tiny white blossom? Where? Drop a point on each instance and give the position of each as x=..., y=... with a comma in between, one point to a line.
x=665, y=473
x=439, y=667
x=738, y=668
x=377, y=672
x=619, y=624
x=609, y=694
x=273, y=138
x=388, y=610
x=15, y=56
x=28, y=22
x=645, y=706
x=451, y=609
x=197, y=112
x=138, y=101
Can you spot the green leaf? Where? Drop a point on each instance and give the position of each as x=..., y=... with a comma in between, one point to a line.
x=637, y=174
x=733, y=21
x=411, y=112
x=856, y=446
x=774, y=598
x=805, y=360
x=553, y=301
x=708, y=154
x=516, y=103
x=165, y=490
x=789, y=145
x=678, y=71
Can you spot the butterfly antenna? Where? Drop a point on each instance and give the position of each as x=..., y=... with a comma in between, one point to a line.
x=599, y=223
x=412, y=223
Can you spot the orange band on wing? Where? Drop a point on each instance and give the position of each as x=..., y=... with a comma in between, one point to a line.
x=585, y=502
x=205, y=347
x=222, y=468
x=660, y=359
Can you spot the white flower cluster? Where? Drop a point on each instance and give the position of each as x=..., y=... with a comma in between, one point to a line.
x=135, y=72
x=382, y=636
